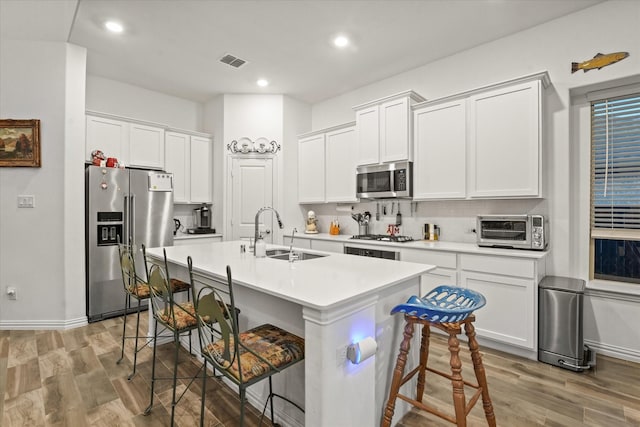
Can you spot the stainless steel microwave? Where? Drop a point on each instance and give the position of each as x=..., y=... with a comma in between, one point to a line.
x=512, y=231
x=389, y=180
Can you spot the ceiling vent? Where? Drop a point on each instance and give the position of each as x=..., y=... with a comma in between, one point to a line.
x=232, y=61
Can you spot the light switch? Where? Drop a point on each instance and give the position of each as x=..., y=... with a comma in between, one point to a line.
x=26, y=201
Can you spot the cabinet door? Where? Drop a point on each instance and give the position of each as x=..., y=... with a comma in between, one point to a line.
x=327, y=246
x=436, y=277
x=311, y=169
x=109, y=136
x=200, y=172
x=439, y=170
x=146, y=146
x=340, y=168
x=395, y=131
x=509, y=315
x=177, y=159
x=504, y=142
x=368, y=135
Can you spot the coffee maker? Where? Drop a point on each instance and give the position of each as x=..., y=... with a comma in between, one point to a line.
x=201, y=221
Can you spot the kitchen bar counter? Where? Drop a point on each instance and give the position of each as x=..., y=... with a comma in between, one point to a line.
x=332, y=301
x=469, y=248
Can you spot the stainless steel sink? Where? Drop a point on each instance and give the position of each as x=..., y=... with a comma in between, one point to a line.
x=284, y=254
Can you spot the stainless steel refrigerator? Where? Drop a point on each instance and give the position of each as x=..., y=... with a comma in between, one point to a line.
x=134, y=206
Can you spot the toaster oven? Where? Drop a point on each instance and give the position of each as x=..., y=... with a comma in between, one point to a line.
x=512, y=231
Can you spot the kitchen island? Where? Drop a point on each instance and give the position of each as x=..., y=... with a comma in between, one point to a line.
x=331, y=301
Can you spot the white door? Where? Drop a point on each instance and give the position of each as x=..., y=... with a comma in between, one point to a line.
x=251, y=188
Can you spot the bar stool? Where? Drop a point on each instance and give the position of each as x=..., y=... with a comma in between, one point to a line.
x=446, y=308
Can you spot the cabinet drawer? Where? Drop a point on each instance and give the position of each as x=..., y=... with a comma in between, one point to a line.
x=440, y=259
x=498, y=265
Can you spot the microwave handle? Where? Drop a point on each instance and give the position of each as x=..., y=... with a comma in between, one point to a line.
x=392, y=181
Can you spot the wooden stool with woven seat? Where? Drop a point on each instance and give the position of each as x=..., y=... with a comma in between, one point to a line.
x=431, y=311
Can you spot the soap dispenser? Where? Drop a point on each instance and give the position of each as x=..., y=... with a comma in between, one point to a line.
x=260, y=248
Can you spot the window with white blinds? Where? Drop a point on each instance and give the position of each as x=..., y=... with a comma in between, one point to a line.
x=615, y=189
x=615, y=168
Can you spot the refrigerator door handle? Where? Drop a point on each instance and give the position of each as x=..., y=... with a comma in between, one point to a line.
x=132, y=221
x=125, y=224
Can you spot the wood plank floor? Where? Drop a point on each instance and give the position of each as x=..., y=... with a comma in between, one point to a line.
x=70, y=378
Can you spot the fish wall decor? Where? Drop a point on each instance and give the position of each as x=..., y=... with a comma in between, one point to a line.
x=598, y=61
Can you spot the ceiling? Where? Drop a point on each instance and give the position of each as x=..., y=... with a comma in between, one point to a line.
x=174, y=46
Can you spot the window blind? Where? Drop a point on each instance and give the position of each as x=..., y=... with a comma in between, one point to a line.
x=615, y=168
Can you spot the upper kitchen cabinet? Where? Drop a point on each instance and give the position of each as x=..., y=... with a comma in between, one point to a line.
x=188, y=157
x=439, y=169
x=505, y=146
x=107, y=135
x=327, y=165
x=132, y=143
x=383, y=129
x=146, y=146
x=484, y=143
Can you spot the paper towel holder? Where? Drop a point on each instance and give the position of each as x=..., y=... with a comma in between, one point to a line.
x=362, y=350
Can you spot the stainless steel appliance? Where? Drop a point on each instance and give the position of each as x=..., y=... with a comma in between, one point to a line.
x=512, y=231
x=134, y=206
x=374, y=253
x=560, y=340
x=201, y=221
x=383, y=238
x=390, y=180
x=363, y=222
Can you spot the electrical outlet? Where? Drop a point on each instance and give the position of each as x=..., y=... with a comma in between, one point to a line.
x=341, y=355
x=12, y=293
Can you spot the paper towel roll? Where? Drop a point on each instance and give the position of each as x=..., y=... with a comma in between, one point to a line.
x=362, y=350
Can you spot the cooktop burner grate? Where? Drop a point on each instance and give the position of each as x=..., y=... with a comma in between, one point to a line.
x=383, y=238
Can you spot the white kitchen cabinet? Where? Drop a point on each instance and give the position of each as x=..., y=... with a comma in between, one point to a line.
x=505, y=141
x=445, y=272
x=177, y=161
x=327, y=246
x=188, y=158
x=440, y=138
x=298, y=242
x=200, y=172
x=311, y=169
x=146, y=146
x=383, y=129
x=108, y=135
x=327, y=165
x=132, y=143
x=510, y=288
x=340, y=167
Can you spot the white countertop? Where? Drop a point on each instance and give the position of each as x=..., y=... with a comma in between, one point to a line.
x=185, y=236
x=319, y=283
x=470, y=248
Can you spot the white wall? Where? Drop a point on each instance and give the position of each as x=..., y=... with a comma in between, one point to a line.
x=39, y=251
x=552, y=47
x=122, y=99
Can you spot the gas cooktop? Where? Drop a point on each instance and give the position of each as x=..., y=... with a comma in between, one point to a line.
x=383, y=238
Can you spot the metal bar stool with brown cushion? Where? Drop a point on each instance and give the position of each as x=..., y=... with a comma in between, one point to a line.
x=446, y=308
x=174, y=317
x=244, y=357
x=136, y=288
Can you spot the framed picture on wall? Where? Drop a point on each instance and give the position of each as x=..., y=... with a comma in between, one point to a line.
x=20, y=143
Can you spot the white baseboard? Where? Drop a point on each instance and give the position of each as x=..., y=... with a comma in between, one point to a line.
x=630, y=354
x=35, y=325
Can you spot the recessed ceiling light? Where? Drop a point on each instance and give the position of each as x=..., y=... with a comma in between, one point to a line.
x=114, y=27
x=341, y=41
x=262, y=83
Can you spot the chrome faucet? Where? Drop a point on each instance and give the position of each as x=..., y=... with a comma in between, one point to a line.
x=292, y=256
x=266, y=208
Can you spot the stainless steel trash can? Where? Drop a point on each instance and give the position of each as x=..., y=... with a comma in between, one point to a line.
x=560, y=340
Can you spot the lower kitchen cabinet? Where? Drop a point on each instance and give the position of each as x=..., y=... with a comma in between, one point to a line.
x=445, y=272
x=510, y=286
x=327, y=246
x=509, y=283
